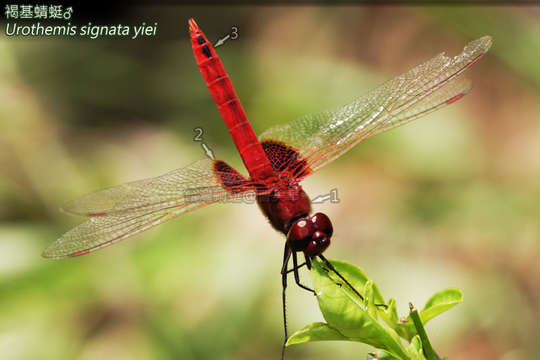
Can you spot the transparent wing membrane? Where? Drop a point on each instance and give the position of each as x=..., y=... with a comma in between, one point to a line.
x=98, y=232
x=321, y=138
x=176, y=188
x=445, y=95
x=126, y=210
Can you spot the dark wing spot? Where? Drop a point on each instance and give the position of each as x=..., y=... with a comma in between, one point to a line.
x=283, y=157
x=200, y=40
x=206, y=51
x=231, y=179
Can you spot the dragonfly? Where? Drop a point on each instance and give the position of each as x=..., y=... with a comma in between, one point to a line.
x=277, y=161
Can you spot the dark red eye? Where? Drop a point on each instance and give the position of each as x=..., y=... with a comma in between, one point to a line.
x=322, y=223
x=318, y=244
x=300, y=234
x=311, y=249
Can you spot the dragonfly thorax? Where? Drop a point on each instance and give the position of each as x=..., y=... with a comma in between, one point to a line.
x=284, y=205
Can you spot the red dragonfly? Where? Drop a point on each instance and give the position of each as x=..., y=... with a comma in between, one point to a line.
x=277, y=161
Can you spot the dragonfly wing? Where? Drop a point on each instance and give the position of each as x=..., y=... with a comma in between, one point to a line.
x=98, y=232
x=205, y=179
x=321, y=138
x=126, y=210
x=445, y=95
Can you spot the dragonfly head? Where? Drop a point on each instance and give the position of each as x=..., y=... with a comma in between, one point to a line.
x=310, y=235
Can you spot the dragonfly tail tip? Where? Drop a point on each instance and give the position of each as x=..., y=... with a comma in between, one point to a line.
x=192, y=25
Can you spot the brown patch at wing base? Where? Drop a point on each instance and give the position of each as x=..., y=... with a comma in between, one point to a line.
x=283, y=157
x=231, y=179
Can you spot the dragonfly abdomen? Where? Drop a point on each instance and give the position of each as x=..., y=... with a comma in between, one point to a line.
x=229, y=106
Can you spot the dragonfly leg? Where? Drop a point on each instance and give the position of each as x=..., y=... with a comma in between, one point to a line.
x=286, y=257
x=308, y=261
x=331, y=267
x=297, y=276
x=299, y=266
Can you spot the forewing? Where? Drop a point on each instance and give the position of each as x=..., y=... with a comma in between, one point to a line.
x=177, y=188
x=321, y=138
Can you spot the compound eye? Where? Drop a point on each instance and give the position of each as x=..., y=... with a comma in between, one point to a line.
x=300, y=234
x=317, y=245
x=321, y=239
x=311, y=249
x=322, y=223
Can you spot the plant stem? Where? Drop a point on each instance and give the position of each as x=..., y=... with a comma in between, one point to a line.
x=426, y=345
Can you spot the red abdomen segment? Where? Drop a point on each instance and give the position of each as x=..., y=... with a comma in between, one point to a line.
x=229, y=106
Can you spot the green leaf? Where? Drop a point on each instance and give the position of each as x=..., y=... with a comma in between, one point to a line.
x=380, y=355
x=356, y=277
x=368, y=295
x=415, y=349
x=407, y=329
x=346, y=313
x=391, y=318
x=315, y=332
x=440, y=302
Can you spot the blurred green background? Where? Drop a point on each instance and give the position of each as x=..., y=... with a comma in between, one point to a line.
x=448, y=201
